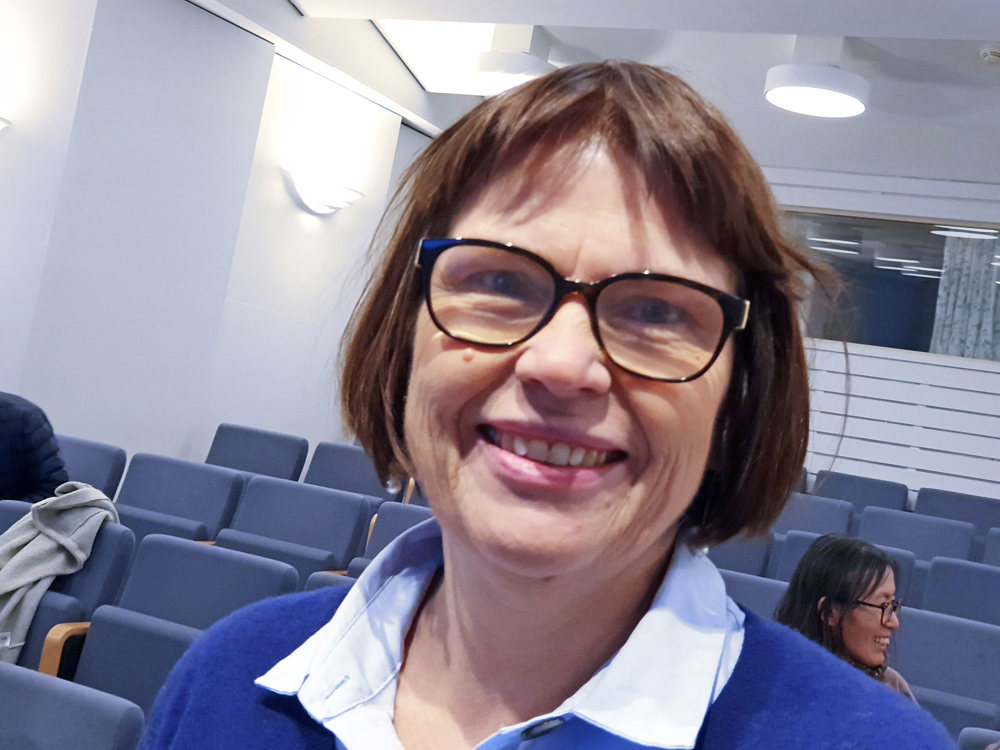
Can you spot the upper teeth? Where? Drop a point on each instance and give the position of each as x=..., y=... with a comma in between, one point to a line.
x=882, y=641
x=557, y=454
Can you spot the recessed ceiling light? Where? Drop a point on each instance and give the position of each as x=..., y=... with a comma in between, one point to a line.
x=921, y=275
x=972, y=233
x=838, y=250
x=816, y=90
x=923, y=268
x=896, y=260
x=831, y=241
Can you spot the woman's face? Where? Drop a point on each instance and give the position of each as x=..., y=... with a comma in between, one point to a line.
x=472, y=412
x=865, y=637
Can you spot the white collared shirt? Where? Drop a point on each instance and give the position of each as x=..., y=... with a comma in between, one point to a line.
x=654, y=692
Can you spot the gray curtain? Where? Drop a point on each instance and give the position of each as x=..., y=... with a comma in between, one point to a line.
x=967, y=318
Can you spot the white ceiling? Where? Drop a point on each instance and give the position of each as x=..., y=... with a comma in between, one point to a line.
x=934, y=110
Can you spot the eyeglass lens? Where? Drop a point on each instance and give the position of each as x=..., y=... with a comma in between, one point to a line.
x=649, y=326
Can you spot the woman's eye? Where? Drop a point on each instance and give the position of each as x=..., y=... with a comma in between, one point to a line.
x=502, y=283
x=651, y=311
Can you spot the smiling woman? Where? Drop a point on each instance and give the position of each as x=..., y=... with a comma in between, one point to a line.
x=843, y=596
x=582, y=341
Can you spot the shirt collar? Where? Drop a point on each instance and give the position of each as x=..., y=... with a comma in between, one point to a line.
x=655, y=691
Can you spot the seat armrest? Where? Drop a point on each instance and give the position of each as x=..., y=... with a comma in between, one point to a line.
x=55, y=643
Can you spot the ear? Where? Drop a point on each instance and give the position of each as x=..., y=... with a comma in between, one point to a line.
x=833, y=618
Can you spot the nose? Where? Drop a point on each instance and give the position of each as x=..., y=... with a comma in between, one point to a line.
x=893, y=621
x=564, y=357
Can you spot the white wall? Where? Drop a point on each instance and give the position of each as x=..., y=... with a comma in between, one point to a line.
x=41, y=64
x=296, y=276
x=146, y=223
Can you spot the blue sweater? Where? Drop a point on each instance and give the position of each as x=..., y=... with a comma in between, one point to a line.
x=30, y=465
x=785, y=692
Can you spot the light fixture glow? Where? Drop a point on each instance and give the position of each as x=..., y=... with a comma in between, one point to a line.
x=838, y=250
x=921, y=275
x=320, y=196
x=816, y=90
x=832, y=241
x=924, y=268
x=896, y=260
x=972, y=233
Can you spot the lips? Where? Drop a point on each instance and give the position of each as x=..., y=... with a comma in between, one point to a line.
x=556, y=453
x=883, y=642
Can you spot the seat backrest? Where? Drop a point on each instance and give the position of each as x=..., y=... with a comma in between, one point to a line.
x=98, y=464
x=977, y=738
x=821, y=515
x=926, y=536
x=963, y=588
x=759, y=595
x=272, y=454
x=323, y=578
x=196, y=584
x=345, y=467
x=948, y=653
x=196, y=491
x=991, y=553
x=982, y=512
x=743, y=554
x=130, y=654
x=320, y=517
x=791, y=551
x=392, y=520
x=860, y=491
x=41, y=711
x=100, y=579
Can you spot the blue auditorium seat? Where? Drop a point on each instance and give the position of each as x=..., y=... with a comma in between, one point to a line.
x=963, y=588
x=926, y=536
x=977, y=738
x=952, y=665
x=322, y=578
x=273, y=454
x=162, y=495
x=759, y=595
x=860, y=491
x=74, y=597
x=391, y=521
x=98, y=464
x=42, y=712
x=982, y=512
x=820, y=515
x=346, y=467
x=309, y=527
x=991, y=551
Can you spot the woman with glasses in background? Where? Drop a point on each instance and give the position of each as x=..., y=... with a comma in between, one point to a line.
x=843, y=596
x=582, y=341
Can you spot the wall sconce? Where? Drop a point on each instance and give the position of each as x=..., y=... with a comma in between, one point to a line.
x=4, y=122
x=318, y=195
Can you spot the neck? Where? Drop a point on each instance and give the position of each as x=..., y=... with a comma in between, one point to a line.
x=503, y=647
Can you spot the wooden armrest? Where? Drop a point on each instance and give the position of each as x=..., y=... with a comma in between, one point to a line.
x=55, y=642
x=204, y=541
x=335, y=572
x=371, y=525
x=410, y=485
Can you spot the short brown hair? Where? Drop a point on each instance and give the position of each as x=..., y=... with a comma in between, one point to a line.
x=690, y=158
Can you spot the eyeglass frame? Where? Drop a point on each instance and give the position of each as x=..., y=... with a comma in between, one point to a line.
x=894, y=607
x=735, y=309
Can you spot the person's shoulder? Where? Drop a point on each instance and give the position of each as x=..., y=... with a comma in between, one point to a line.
x=787, y=691
x=273, y=626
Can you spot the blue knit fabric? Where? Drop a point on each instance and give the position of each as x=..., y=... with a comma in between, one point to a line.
x=30, y=465
x=785, y=692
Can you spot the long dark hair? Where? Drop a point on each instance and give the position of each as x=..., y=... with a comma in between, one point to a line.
x=840, y=571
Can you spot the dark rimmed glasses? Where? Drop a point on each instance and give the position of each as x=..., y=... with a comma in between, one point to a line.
x=888, y=609
x=649, y=324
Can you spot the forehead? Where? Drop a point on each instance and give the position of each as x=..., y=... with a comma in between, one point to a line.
x=593, y=207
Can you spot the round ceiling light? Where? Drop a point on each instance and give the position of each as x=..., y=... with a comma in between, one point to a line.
x=817, y=90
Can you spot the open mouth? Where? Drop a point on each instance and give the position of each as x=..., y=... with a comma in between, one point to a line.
x=552, y=454
x=883, y=642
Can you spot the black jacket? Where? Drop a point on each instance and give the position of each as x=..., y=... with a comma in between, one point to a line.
x=30, y=465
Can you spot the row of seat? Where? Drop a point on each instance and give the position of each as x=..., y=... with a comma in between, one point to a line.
x=951, y=662
x=279, y=512
x=246, y=449
x=982, y=512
